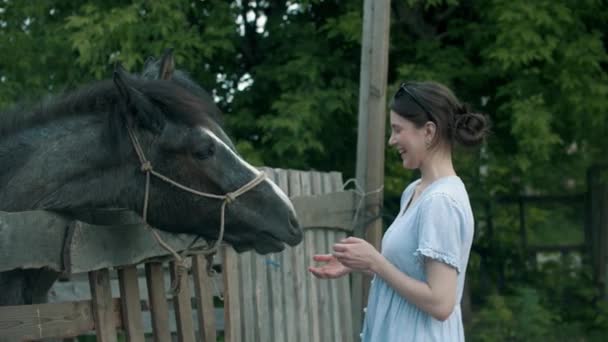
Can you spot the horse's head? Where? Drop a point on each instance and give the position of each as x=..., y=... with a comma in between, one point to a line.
x=176, y=124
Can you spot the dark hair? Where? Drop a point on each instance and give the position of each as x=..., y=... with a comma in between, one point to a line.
x=420, y=102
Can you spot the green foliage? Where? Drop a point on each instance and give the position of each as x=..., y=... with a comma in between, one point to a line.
x=561, y=305
x=555, y=224
x=34, y=59
x=103, y=33
x=518, y=317
x=527, y=128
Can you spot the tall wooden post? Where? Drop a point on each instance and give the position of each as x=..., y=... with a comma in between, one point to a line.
x=371, y=136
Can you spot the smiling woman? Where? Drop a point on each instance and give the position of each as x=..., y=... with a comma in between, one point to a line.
x=419, y=274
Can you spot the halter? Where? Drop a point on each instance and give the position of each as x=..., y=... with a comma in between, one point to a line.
x=146, y=167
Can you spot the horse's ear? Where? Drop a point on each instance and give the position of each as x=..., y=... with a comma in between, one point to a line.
x=149, y=62
x=167, y=65
x=136, y=104
x=119, y=78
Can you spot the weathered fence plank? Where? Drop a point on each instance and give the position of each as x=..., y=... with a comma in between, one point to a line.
x=341, y=287
x=276, y=293
x=203, y=293
x=29, y=322
x=314, y=179
x=247, y=297
x=262, y=298
x=130, y=303
x=311, y=323
x=232, y=314
x=300, y=264
x=324, y=304
x=103, y=311
x=22, y=230
x=326, y=211
x=182, y=305
x=89, y=247
x=320, y=243
x=287, y=257
x=159, y=308
x=276, y=297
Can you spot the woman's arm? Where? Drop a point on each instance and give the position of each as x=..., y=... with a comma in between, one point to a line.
x=436, y=296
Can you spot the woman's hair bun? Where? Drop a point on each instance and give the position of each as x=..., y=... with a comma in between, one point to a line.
x=470, y=128
x=463, y=108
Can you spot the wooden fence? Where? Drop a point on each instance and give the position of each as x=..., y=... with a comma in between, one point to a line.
x=267, y=297
x=272, y=297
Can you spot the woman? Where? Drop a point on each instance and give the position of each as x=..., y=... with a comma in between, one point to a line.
x=419, y=275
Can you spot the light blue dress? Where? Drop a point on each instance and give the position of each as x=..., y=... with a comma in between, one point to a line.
x=438, y=225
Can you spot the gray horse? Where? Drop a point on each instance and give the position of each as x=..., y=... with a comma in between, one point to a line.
x=76, y=153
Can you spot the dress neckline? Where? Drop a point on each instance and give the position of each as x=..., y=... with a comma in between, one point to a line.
x=409, y=204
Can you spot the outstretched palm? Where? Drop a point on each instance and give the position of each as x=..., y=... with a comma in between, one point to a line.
x=331, y=269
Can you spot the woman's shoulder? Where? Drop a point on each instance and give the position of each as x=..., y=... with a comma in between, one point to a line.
x=450, y=189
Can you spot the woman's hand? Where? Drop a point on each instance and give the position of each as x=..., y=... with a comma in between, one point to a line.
x=331, y=269
x=357, y=254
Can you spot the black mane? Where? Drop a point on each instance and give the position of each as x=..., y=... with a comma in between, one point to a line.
x=176, y=102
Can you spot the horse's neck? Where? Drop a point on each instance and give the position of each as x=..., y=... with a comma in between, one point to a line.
x=57, y=166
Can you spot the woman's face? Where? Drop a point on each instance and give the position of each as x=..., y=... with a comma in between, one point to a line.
x=410, y=142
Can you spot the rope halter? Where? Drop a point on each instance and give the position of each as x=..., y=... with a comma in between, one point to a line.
x=228, y=198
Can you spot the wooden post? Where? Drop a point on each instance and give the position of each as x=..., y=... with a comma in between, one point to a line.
x=371, y=135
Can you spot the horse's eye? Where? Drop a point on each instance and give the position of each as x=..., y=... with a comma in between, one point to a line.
x=205, y=152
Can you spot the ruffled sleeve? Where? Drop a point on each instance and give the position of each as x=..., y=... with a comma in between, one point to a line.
x=440, y=232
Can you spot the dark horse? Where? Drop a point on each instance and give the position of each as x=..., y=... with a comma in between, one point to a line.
x=74, y=154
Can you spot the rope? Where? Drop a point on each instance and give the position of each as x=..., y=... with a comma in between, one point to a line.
x=362, y=195
x=228, y=198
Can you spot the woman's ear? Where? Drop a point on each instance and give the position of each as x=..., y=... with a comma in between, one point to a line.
x=430, y=131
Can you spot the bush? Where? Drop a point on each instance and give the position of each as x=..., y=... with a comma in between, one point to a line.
x=519, y=317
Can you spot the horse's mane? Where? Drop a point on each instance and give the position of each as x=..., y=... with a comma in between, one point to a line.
x=182, y=102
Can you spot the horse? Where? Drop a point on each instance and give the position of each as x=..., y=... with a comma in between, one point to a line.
x=108, y=145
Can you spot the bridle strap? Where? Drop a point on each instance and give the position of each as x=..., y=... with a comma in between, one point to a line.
x=146, y=167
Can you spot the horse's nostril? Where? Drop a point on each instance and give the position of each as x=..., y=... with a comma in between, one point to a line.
x=294, y=222
x=296, y=232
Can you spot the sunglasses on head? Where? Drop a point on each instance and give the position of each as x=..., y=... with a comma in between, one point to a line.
x=403, y=90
